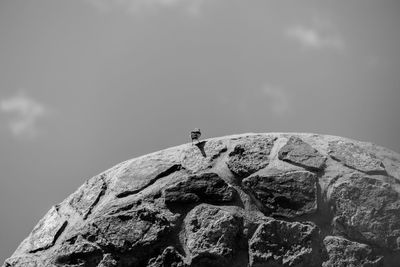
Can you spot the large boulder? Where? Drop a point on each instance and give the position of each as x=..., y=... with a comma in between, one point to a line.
x=343, y=252
x=280, y=243
x=270, y=188
x=298, y=152
x=355, y=156
x=274, y=199
x=366, y=209
x=249, y=157
x=212, y=234
x=206, y=187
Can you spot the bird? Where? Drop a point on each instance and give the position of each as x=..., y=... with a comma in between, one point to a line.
x=195, y=135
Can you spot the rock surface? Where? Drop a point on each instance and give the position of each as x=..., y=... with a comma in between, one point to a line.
x=355, y=156
x=367, y=209
x=249, y=157
x=297, y=151
x=343, y=252
x=270, y=187
x=280, y=243
x=212, y=234
x=169, y=257
x=207, y=187
x=278, y=199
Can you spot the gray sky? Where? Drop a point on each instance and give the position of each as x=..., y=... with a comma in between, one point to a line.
x=85, y=84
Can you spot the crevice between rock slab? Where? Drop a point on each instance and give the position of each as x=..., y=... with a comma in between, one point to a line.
x=170, y=170
x=56, y=236
x=99, y=196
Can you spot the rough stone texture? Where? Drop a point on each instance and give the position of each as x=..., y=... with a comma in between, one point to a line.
x=392, y=168
x=207, y=187
x=80, y=252
x=108, y=261
x=249, y=157
x=46, y=232
x=234, y=201
x=88, y=195
x=367, y=209
x=136, y=175
x=25, y=261
x=298, y=152
x=211, y=235
x=288, y=194
x=342, y=252
x=169, y=258
x=131, y=233
x=280, y=243
x=355, y=156
x=202, y=156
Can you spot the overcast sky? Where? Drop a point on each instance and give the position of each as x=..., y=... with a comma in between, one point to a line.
x=85, y=84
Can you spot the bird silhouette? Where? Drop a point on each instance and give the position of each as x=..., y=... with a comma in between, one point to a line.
x=195, y=135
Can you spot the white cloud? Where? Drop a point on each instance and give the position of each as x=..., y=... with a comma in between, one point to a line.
x=278, y=100
x=315, y=37
x=24, y=114
x=190, y=7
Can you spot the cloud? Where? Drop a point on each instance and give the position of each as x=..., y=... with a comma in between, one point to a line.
x=190, y=7
x=317, y=37
x=278, y=99
x=24, y=114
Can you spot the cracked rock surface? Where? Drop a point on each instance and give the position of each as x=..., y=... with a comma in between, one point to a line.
x=250, y=200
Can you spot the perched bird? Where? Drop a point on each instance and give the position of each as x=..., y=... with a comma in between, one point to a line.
x=195, y=135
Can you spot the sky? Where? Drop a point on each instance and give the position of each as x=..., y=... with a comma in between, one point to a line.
x=86, y=84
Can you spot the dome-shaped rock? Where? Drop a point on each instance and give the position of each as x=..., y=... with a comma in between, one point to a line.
x=277, y=199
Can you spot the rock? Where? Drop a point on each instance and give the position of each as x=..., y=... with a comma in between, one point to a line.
x=108, y=261
x=237, y=201
x=46, y=232
x=169, y=258
x=211, y=235
x=202, y=156
x=24, y=261
x=250, y=155
x=270, y=187
x=134, y=231
x=300, y=153
x=88, y=195
x=140, y=173
x=207, y=187
x=392, y=168
x=356, y=157
x=366, y=209
x=280, y=243
x=78, y=251
x=342, y=252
